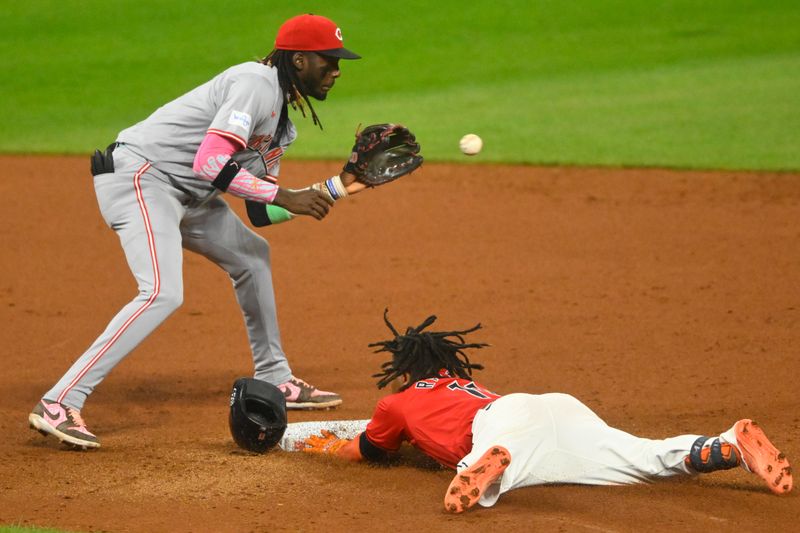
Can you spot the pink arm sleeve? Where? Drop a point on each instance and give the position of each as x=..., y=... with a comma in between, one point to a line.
x=214, y=152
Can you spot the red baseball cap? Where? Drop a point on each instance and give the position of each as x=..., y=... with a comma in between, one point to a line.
x=313, y=33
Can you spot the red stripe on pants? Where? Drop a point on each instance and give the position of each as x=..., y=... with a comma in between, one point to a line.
x=156, y=289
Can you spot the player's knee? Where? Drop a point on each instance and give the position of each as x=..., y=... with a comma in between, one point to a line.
x=256, y=261
x=252, y=261
x=260, y=248
x=169, y=300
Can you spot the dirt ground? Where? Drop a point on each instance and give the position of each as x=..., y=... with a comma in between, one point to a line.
x=667, y=301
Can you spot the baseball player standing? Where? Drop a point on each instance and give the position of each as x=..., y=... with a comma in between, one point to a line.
x=159, y=185
x=499, y=443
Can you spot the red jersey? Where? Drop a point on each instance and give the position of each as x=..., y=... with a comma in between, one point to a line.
x=434, y=415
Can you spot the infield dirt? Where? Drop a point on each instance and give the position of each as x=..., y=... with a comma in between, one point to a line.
x=667, y=301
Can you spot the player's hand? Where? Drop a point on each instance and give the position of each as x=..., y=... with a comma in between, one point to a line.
x=304, y=202
x=351, y=185
x=327, y=442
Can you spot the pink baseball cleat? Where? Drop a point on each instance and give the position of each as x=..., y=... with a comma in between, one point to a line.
x=63, y=422
x=301, y=395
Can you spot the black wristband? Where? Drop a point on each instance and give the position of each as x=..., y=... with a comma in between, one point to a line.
x=257, y=213
x=226, y=175
x=369, y=451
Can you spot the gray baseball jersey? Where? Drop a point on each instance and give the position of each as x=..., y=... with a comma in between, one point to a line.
x=157, y=207
x=243, y=103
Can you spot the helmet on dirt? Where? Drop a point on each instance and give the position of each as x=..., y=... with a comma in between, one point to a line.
x=257, y=414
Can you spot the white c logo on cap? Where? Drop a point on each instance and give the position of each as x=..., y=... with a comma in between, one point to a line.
x=339, y=34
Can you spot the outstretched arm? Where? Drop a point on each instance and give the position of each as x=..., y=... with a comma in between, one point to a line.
x=357, y=449
x=350, y=451
x=214, y=163
x=328, y=443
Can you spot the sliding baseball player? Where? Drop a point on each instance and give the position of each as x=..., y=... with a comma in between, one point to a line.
x=499, y=443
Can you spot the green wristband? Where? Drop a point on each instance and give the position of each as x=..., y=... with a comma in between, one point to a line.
x=277, y=214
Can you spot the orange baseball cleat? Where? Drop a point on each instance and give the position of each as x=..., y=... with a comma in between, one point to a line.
x=760, y=456
x=468, y=485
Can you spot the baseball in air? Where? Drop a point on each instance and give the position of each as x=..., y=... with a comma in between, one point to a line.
x=470, y=144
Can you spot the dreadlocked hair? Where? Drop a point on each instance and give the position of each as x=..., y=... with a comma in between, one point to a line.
x=422, y=354
x=290, y=85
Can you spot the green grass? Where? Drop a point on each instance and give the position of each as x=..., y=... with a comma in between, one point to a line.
x=704, y=84
x=21, y=529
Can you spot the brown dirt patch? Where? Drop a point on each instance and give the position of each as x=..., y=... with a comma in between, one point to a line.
x=667, y=301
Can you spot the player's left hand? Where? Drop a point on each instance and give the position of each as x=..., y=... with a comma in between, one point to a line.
x=351, y=183
x=382, y=153
x=327, y=442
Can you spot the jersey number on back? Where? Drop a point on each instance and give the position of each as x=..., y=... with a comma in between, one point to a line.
x=469, y=388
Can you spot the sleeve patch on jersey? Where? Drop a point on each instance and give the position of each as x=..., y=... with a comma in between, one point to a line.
x=241, y=119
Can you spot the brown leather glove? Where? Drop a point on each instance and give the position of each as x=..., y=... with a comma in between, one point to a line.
x=383, y=153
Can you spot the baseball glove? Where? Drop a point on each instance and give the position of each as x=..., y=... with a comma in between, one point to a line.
x=383, y=153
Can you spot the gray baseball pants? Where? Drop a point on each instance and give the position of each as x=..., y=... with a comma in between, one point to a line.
x=154, y=222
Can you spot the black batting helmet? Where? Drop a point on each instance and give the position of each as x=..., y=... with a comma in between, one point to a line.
x=258, y=414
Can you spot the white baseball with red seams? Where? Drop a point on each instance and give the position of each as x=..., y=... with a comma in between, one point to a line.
x=470, y=144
